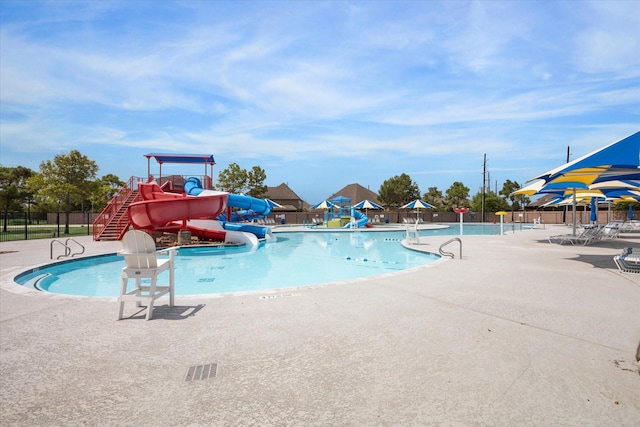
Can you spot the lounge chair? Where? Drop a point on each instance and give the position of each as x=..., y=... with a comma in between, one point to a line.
x=632, y=226
x=627, y=261
x=141, y=262
x=611, y=231
x=588, y=236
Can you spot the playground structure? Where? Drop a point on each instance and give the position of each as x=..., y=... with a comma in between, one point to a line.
x=183, y=205
x=344, y=215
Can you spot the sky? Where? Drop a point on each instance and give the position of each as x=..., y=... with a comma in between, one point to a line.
x=320, y=94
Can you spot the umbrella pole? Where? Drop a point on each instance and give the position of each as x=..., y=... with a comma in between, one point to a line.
x=574, y=212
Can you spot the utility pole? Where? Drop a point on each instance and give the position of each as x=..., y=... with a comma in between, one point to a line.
x=484, y=185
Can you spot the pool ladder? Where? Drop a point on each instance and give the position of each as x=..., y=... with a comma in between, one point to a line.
x=67, y=248
x=450, y=254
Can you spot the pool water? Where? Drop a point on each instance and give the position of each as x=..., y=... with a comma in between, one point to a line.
x=296, y=259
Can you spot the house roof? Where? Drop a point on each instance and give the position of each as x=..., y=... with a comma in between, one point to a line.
x=356, y=193
x=282, y=192
x=542, y=201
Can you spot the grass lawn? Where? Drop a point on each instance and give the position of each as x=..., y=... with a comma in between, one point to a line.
x=46, y=231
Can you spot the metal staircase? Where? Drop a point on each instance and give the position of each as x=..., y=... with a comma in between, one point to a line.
x=113, y=221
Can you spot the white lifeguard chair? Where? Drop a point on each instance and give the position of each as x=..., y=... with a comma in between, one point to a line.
x=141, y=262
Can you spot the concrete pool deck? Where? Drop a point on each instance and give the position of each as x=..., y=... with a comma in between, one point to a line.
x=517, y=332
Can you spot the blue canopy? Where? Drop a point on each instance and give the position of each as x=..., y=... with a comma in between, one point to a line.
x=620, y=160
x=367, y=204
x=418, y=204
x=182, y=158
x=325, y=204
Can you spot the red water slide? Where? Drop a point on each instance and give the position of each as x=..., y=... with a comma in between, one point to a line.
x=168, y=212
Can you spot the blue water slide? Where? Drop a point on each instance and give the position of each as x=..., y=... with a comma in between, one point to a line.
x=250, y=207
x=361, y=219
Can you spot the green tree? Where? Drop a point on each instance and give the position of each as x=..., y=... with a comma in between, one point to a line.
x=492, y=202
x=398, y=190
x=104, y=189
x=255, y=181
x=518, y=201
x=13, y=189
x=232, y=179
x=235, y=179
x=67, y=179
x=434, y=197
x=457, y=195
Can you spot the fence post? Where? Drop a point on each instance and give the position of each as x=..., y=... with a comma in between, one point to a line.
x=26, y=227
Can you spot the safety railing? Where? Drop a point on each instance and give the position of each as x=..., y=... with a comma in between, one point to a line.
x=67, y=248
x=450, y=254
x=110, y=212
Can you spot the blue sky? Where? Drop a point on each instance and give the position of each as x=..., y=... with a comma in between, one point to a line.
x=320, y=94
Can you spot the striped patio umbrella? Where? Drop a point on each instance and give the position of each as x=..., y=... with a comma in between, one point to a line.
x=418, y=204
x=366, y=205
x=615, y=163
x=325, y=204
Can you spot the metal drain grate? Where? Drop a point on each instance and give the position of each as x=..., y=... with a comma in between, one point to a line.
x=201, y=372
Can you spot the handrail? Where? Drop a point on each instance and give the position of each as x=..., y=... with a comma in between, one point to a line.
x=114, y=205
x=67, y=248
x=450, y=254
x=66, y=243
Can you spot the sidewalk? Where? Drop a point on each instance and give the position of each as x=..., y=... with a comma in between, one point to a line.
x=518, y=332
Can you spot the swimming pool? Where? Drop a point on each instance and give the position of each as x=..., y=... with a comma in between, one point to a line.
x=296, y=259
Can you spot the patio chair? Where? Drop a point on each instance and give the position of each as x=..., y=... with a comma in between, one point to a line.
x=561, y=239
x=628, y=262
x=141, y=262
x=611, y=231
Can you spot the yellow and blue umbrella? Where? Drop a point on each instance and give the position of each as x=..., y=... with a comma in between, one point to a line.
x=617, y=162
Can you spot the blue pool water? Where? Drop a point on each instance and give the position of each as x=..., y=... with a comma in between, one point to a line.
x=296, y=259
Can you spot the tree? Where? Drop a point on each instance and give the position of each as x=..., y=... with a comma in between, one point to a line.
x=104, y=189
x=457, y=195
x=255, y=181
x=235, y=179
x=398, y=190
x=518, y=201
x=232, y=179
x=492, y=202
x=67, y=179
x=434, y=197
x=13, y=189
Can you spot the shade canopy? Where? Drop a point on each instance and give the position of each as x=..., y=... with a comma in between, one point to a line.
x=325, y=204
x=418, y=204
x=182, y=158
x=367, y=204
x=273, y=204
x=620, y=160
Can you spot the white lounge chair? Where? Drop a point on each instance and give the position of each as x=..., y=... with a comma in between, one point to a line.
x=611, y=231
x=587, y=236
x=141, y=262
x=627, y=261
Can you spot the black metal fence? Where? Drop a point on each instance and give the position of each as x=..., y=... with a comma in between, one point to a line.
x=35, y=225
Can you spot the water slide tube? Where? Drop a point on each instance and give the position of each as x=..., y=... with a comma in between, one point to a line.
x=252, y=206
x=361, y=219
x=160, y=211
